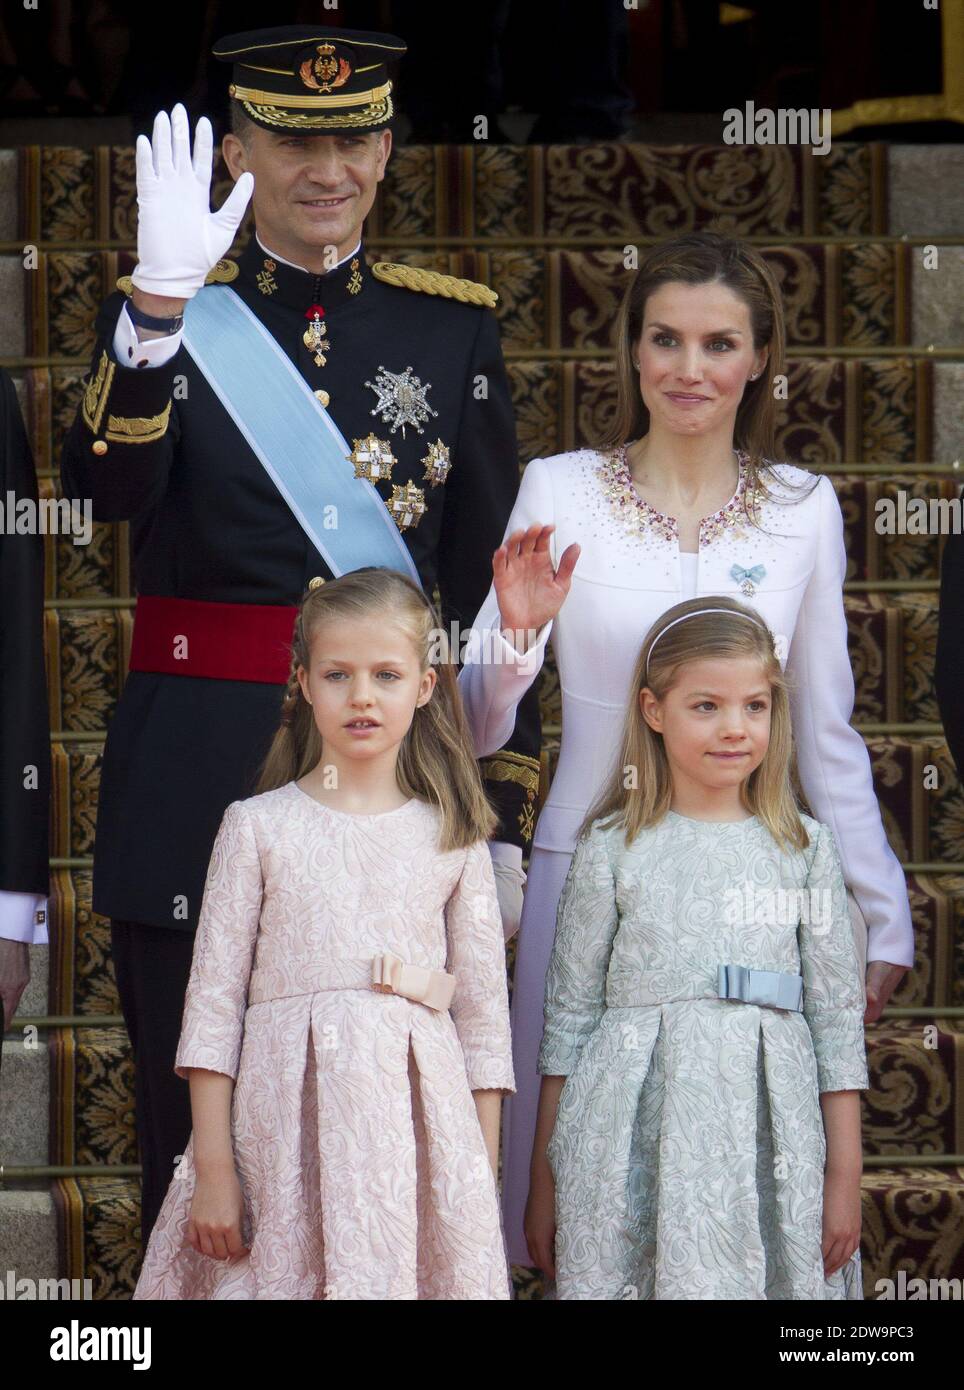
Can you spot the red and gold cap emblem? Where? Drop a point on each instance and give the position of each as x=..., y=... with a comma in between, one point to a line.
x=326, y=71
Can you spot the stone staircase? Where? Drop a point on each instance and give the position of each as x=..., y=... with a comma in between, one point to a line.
x=876, y=398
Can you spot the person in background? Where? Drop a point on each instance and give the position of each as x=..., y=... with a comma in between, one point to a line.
x=949, y=663
x=24, y=717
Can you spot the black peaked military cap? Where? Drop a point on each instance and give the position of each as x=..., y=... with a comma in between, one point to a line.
x=311, y=78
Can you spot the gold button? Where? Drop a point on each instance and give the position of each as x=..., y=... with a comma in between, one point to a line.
x=99, y=446
x=315, y=583
x=323, y=396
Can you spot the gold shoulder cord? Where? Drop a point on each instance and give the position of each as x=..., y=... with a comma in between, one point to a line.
x=220, y=274
x=410, y=277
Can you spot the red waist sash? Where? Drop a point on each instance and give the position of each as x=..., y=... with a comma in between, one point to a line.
x=223, y=641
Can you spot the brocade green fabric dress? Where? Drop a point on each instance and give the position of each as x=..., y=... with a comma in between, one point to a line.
x=689, y=1147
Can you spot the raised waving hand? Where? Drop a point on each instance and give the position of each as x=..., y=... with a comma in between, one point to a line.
x=529, y=587
x=179, y=238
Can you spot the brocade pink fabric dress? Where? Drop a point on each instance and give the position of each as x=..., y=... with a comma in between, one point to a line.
x=356, y=1139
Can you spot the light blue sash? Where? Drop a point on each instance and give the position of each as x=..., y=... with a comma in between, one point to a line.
x=290, y=431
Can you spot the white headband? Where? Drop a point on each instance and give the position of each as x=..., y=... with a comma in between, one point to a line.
x=698, y=613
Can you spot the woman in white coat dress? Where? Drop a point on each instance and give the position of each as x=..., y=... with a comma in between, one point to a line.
x=680, y=501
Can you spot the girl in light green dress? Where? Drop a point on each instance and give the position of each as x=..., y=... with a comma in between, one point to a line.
x=703, y=1053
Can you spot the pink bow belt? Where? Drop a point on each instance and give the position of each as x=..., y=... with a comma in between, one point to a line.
x=386, y=973
x=393, y=976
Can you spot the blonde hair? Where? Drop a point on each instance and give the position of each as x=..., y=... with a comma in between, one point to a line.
x=436, y=760
x=668, y=647
x=701, y=258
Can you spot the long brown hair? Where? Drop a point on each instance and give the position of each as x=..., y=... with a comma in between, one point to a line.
x=701, y=258
x=767, y=792
x=436, y=760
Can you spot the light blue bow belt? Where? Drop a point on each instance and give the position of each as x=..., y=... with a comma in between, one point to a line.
x=773, y=989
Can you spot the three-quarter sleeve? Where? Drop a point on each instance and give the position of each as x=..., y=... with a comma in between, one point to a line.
x=213, y=1023
x=832, y=757
x=586, y=922
x=494, y=675
x=476, y=957
x=833, y=998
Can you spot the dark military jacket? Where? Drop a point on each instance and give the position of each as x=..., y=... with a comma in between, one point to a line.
x=208, y=523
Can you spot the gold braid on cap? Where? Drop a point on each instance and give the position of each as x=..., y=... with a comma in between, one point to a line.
x=411, y=277
x=312, y=102
x=376, y=114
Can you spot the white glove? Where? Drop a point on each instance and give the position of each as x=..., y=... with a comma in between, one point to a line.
x=179, y=239
x=509, y=882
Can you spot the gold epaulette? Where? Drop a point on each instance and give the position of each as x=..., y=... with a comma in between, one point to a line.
x=222, y=274
x=411, y=277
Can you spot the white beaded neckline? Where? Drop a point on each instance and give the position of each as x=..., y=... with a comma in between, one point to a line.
x=642, y=518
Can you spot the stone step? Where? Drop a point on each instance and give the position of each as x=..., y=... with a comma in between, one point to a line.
x=29, y=1247
x=24, y=1098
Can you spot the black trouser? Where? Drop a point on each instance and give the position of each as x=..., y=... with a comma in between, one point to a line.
x=151, y=966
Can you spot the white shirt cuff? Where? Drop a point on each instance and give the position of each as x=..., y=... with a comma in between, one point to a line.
x=504, y=853
x=19, y=913
x=152, y=353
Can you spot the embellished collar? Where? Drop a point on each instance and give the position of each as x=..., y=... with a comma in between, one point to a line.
x=640, y=516
x=298, y=289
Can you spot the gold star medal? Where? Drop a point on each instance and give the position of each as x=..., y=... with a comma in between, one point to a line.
x=407, y=505
x=372, y=458
x=438, y=465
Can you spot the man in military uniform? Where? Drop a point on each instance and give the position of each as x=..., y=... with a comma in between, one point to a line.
x=220, y=492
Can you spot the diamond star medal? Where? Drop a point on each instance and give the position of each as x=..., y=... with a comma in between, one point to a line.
x=372, y=458
x=407, y=505
x=315, y=336
x=401, y=399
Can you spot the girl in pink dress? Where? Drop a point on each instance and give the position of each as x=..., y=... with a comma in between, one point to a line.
x=346, y=1024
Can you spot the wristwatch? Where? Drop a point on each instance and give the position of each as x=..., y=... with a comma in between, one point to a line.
x=138, y=316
